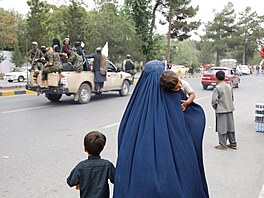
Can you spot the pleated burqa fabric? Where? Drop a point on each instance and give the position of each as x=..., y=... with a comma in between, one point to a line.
x=159, y=146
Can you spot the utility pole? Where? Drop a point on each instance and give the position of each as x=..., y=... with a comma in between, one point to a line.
x=169, y=39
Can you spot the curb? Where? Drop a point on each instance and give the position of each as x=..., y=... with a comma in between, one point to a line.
x=17, y=92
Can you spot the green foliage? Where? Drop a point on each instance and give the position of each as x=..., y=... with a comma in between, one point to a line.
x=74, y=21
x=184, y=53
x=17, y=57
x=7, y=29
x=248, y=32
x=115, y=27
x=207, y=54
x=255, y=59
x=220, y=30
x=130, y=30
x=159, y=48
x=37, y=20
x=180, y=12
x=142, y=13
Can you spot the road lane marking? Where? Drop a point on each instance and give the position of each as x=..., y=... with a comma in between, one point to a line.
x=111, y=125
x=117, y=123
x=201, y=98
x=26, y=109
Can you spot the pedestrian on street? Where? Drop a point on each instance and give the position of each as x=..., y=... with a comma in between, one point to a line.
x=257, y=69
x=170, y=81
x=191, y=70
x=158, y=155
x=91, y=176
x=222, y=102
x=129, y=65
x=98, y=77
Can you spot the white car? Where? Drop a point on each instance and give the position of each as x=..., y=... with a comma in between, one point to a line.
x=19, y=73
x=243, y=69
x=178, y=69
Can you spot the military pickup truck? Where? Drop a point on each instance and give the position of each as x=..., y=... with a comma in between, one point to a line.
x=81, y=85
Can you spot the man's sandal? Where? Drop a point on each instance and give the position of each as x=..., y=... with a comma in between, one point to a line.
x=231, y=146
x=220, y=147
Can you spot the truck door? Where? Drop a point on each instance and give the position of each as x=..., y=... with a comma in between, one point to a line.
x=113, y=77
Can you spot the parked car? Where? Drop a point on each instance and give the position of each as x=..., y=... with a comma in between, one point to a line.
x=209, y=78
x=179, y=69
x=243, y=69
x=19, y=73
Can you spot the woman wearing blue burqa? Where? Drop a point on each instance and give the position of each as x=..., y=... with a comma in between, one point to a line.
x=159, y=146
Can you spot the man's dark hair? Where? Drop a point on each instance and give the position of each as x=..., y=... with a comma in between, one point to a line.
x=220, y=75
x=94, y=142
x=168, y=80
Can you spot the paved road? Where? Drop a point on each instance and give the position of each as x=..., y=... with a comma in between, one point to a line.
x=41, y=142
x=5, y=84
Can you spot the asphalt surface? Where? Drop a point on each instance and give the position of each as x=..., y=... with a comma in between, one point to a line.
x=42, y=141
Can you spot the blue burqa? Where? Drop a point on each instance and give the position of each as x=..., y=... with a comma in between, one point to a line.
x=159, y=146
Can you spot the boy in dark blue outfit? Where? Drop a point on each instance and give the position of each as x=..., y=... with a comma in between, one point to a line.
x=91, y=175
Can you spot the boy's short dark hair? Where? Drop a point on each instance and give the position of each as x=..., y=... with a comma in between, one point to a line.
x=168, y=80
x=220, y=75
x=94, y=142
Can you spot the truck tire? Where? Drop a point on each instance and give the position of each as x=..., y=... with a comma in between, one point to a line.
x=125, y=89
x=53, y=97
x=84, y=94
x=20, y=79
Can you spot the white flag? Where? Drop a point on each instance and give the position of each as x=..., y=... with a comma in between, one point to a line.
x=105, y=49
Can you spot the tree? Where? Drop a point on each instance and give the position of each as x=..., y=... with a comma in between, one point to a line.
x=248, y=32
x=7, y=29
x=108, y=24
x=17, y=58
x=185, y=53
x=37, y=21
x=220, y=30
x=207, y=52
x=178, y=14
x=74, y=21
x=142, y=14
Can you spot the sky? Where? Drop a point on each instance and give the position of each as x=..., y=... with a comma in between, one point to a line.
x=205, y=13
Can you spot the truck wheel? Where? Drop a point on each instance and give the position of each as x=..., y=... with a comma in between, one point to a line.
x=125, y=89
x=84, y=94
x=53, y=97
x=20, y=79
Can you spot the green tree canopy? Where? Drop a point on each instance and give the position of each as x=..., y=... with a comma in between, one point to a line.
x=7, y=29
x=220, y=30
x=17, y=58
x=108, y=24
x=249, y=31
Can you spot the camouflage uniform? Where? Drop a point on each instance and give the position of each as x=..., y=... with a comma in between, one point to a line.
x=36, y=57
x=53, y=65
x=76, y=61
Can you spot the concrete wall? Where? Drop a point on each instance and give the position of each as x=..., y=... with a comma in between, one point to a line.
x=6, y=66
